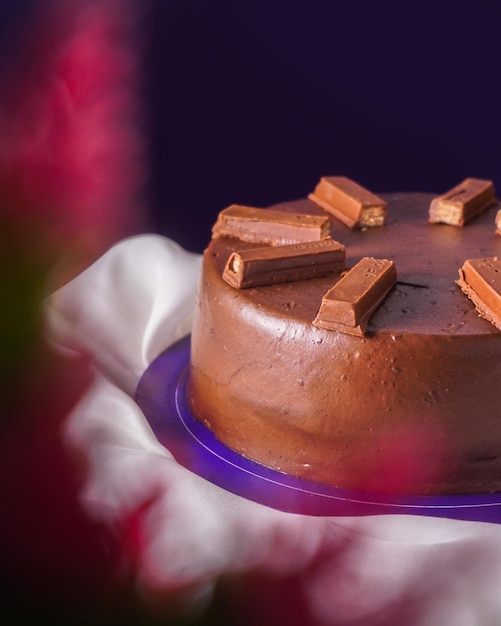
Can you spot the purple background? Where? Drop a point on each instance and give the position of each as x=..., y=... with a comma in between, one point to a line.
x=252, y=101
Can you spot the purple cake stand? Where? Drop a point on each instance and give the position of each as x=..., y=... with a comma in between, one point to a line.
x=161, y=394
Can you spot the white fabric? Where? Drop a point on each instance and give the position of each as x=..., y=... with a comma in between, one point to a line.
x=124, y=311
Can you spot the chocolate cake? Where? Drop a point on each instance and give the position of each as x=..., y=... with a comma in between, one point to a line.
x=391, y=386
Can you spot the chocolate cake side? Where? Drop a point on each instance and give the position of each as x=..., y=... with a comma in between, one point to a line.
x=411, y=406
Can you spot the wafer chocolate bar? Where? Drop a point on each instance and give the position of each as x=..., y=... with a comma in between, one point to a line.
x=278, y=264
x=270, y=226
x=480, y=280
x=462, y=203
x=350, y=304
x=349, y=202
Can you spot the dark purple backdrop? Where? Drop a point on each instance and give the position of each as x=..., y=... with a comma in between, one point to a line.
x=253, y=100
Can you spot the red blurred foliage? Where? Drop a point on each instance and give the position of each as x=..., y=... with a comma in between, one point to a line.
x=72, y=160
x=71, y=172
x=409, y=459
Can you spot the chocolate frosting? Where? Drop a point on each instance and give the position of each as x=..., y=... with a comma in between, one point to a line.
x=411, y=407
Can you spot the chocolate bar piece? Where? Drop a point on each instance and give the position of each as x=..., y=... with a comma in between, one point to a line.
x=270, y=226
x=480, y=280
x=349, y=305
x=462, y=203
x=279, y=264
x=498, y=223
x=349, y=202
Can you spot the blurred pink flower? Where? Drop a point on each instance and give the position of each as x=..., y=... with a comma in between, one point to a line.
x=71, y=146
x=72, y=167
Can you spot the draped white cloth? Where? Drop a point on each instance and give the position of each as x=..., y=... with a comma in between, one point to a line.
x=124, y=311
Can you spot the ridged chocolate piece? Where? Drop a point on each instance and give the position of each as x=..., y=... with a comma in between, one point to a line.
x=349, y=305
x=279, y=264
x=349, y=202
x=480, y=280
x=462, y=203
x=268, y=226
